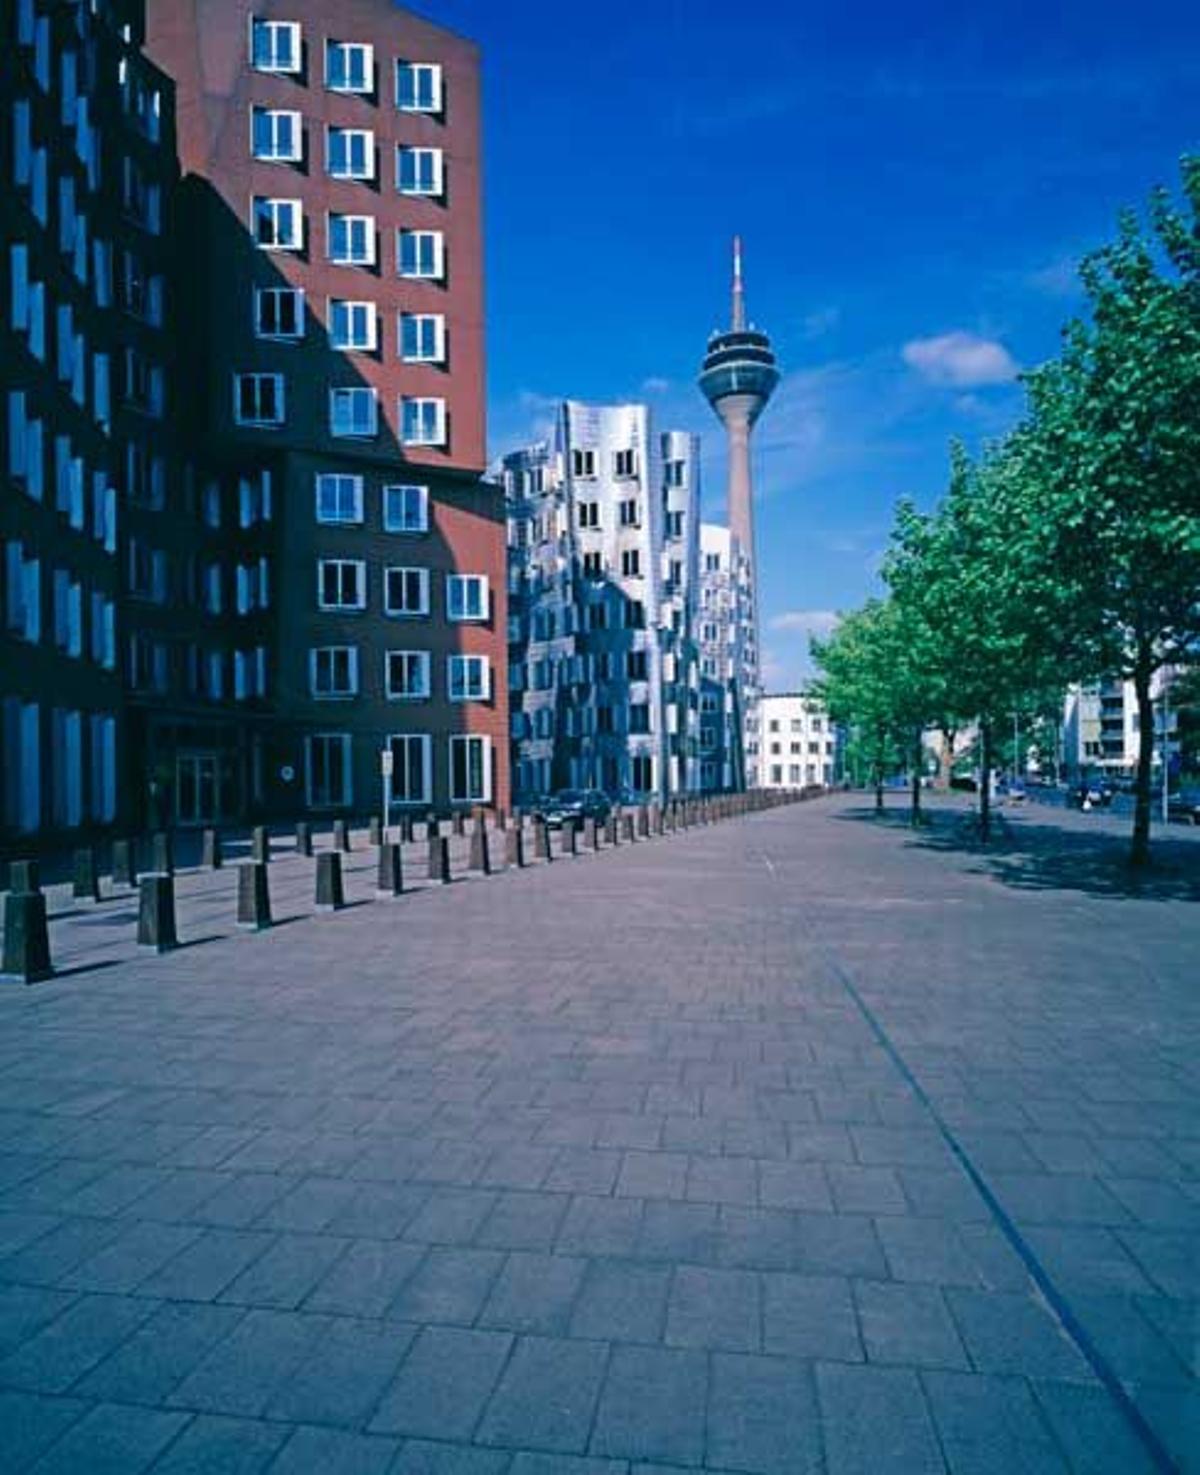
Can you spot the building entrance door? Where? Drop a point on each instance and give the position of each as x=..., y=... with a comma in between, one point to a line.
x=197, y=789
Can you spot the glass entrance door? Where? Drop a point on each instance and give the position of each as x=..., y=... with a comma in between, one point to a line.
x=197, y=792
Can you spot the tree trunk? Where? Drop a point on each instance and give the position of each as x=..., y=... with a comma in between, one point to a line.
x=1139, y=853
x=877, y=777
x=916, y=780
x=946, y=759
x=985, y=781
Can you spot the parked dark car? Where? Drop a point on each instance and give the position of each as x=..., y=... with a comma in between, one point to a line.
x=1093, y=793
x=573, y=804
x=964, y=782
x=1185, y=808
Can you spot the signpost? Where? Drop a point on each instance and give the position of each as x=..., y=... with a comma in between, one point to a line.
x=385, y=767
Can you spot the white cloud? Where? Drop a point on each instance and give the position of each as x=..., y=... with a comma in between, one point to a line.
x=819, y=622
x=1059, y=278
x=960, y=360
x=823, y=320
x=655, y=385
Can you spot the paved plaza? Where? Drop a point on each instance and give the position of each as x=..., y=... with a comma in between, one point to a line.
x=794, y=1144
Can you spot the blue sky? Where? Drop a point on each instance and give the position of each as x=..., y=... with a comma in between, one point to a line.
x=913, y=184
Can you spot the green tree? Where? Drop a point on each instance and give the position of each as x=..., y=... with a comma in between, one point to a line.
x=1115, y=437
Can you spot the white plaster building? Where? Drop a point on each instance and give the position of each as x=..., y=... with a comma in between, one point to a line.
x=799, y=743
x=724, y=633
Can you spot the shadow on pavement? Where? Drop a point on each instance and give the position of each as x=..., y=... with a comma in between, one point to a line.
x=1045, y=857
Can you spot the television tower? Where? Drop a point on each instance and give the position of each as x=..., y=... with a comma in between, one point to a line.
x=738, y=377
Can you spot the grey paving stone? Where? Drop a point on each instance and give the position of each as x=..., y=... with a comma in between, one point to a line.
x=810, y=1316
x=583, y=1170
x=54, y=1254
x=419, y=1457
x=652, y=1406
x=601, y=1226
x=991, y=1424
x=547, y=1396
x=534, y=1293
x=210, y=1263
x=1168, y=1258
x=335, y=1452
x=679, y=1232
x=136, y=1253
x=526, y=1463
x=1096, y=1437
x=25, y=1310
x=722, y=1181
x=86, y=1332
x=1058, y=1198
x=840, y=1244
x=241, y=1374
x=1087, y=1258
x=30, y=1423
x=343, y=1378
x=283, y=1275
x=310, y=1205
x=714, y=1309
x=150, y=1364
x=653, y=1175
x=112, y=1439
x=18, y=1229
x=875, y=1422
x=1009, y=1333
x=444, y=1383
x=523, y=1221
x=378, y=1210
x=449, y=1286
x=907, y=1325
x=241, y=1199
x=762, y=1416
x=212, y=1445
x=366, y=1279
x=621, y=1301
x=451, y=1216
x=793, y=1185
x=524, y=1166
x=858, y=1190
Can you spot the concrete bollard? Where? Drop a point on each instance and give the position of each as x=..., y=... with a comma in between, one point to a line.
x=628, y=828
x=514, y=847
x=124, y=866
x=24, y=875
x=541, y=840
x=612, y=829
x=304, y=838
x=254, y=896
x=341, y=835
x=480, y=855
x=570, y=837
x=656, y=819
x=162, y=854
x=501, y=820
x=212, y=856
x=643, y=823
x=260, y=845
x=85, y=884
x=26, y=953
x=156, y=912
x=330, y=894
x=390, y=878
x=432, y=827
x=591, y=833
x=406, y=829
x=375, y=830
x=439, y=859
x=458, y=823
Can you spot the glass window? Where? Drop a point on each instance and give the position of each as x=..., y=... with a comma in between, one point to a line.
x=275, y=45
x=420, y=253
x=352, y=240
x=470, y=770
x=351, y=325
x=406, y=591
x=418, y=87
x=327, y=771
x=350, y=153
x=466, y=597
x=339, y=498
x=279, y=312
x=278, y=224
x=275, y=135
x=422, y=337
x=422, y=421
x=333, y=671
x=406, y=674
x=353, y=412
x=410, y=768
x=341, y=583
x=406, y=509
x=418, y=170
x=258, y=399
x=349, y=66
x=469, y=678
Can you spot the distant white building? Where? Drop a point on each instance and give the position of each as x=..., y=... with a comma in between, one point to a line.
x=1100, y=727
x=725, y=629
x=603, y=577
x=799, y=742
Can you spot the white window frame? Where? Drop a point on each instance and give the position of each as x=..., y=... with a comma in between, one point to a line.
x=425, y=159
x=347, y=169
x=423, y=667
x=273, y=29
x=400, y=767
x=484, y=794
x=355, y=607
x=273, y=206
x=404, y=524
x=280, y=396
x=437, y=269
x=323, y=485
x=423, y=406
x=273, y=118
x=346, y=797
x=352, y=309
x=468, y=678
x=433, y=70
x=368, y=221
x=453, y=581
x=338, y=394
x=367, y=56
x=265, y=294
x=423, y=584
x=332, y=694
x=421, y=323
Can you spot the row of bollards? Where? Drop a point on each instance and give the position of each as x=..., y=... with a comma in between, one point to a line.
x=26, y=947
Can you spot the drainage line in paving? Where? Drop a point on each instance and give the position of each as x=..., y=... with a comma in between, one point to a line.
x=1153, y=1445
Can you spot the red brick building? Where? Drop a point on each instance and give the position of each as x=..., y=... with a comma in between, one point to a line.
x=331, y=365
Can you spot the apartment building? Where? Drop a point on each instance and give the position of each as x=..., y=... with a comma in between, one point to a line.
x=1101, y=732
x=724, y=625
x=799, y=743
x=603, y=573
x=333, y=389
x=87, y=165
